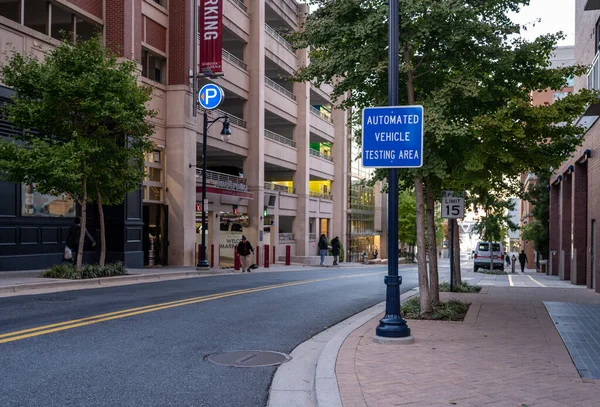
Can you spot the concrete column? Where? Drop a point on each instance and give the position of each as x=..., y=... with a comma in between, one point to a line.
x=554, y=231
x=255, y=117
x=180, y=178
x=566, y=227
x=302, y=174
x=579, y=222
x=339, y=224
x=215, y=225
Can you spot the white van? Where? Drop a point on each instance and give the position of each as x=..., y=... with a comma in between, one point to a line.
x=481, y=258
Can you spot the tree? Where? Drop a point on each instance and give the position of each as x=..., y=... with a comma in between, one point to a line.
x=85, y=128
x=538, y=231
x=461, y=61
x=407, y=230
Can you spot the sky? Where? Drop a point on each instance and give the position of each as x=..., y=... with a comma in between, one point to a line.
x=556, y=15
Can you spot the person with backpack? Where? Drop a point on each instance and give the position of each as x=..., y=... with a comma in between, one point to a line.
x=245, y=250
x=335, y=249
x=323, y=245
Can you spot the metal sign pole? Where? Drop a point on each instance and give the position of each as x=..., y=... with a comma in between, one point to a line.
x=392, y=325
x=451, y=223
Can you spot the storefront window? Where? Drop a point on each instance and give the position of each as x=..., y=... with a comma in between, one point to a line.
x=35, y=204
x=154, y=182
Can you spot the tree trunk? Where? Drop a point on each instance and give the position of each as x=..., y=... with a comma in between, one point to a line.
x=425, y=297
x=434, y=284
x=79, y=261
x=457, y=276
x=102, y=228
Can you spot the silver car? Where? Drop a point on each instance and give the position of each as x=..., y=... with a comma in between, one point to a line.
x=481, y=258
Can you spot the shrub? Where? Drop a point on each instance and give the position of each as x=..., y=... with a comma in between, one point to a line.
x=452, y=310
x=496, y=272
x=462, y=288
x=87, y=271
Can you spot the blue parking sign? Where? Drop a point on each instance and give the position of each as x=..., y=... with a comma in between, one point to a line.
x=392, y=137
x=210, y=96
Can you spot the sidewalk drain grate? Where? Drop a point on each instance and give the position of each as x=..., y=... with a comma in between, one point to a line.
x=249, y=358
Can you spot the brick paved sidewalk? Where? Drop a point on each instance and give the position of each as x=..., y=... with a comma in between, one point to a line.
x=506, y=353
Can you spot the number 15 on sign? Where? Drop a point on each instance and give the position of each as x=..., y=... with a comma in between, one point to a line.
x=453, y=205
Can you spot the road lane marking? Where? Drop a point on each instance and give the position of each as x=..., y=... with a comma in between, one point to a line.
x=535, y=281
x=62, y=326
x=510, y=282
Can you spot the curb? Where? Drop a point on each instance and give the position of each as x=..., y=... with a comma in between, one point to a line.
x=309, y=378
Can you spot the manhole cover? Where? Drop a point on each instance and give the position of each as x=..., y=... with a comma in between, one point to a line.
x=249, y=358
x=56, y=299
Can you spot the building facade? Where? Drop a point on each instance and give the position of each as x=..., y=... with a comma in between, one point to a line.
x=281, y=178
x=574, y=197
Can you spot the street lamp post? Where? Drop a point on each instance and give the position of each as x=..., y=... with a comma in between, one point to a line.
x=392, y=326
x=225, y=132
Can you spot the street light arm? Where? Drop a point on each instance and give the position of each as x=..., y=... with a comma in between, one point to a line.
x=211, y=122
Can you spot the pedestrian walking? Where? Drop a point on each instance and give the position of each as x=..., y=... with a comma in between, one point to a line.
x=245, y=250
x=522, y=260
x=335, y=249
x=323, y=244
x=507, y=259
x=72, y=243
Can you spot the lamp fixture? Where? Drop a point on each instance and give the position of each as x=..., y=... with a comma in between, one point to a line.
x=225, y=132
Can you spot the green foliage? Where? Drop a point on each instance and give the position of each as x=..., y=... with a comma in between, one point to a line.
x=493, y=272
x=452, y=310
x=494, y=226
x=461, y=288
x=407, y=218
x=68, y=271
x=538, y=230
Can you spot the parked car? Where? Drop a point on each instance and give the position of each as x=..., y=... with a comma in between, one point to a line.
x=481, y=258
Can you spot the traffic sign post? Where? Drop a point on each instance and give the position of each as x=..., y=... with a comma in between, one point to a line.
x=392, y=137
x=453, y=207
x=392, y=327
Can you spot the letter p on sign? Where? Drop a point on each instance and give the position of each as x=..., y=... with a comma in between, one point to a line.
x=210, y=96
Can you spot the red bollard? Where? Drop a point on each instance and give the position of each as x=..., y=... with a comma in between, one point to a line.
x=236, y=262
x=257, y=256
x=266, y=256
x=274, y=258
x=288, y=255
x=212, y=255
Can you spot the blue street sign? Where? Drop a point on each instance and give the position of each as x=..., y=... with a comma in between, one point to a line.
x=210, y=96
x=392, y=137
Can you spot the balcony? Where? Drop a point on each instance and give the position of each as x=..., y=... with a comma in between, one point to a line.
x=234, y=60
x=321, y=125
x=280, y=101
x=224, y=181
x=280, y=151
x=312, y=237
x=279, y=49
x=319, y=154
x=236, y=19
x=238, y=142
x=283, y=10
x=320, y=195
x=240, y=4
x=593, y=83
x=279, y=188
x=286, y=237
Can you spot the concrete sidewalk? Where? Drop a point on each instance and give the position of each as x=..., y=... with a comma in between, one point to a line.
x=507, y=352
x=25, y=282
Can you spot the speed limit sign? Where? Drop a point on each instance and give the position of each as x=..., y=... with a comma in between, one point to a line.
x=453, y=205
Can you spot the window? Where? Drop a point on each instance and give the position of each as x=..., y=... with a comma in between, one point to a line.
x=36, y=15
x=559, y=95
x=85, y=29
x=153, y=66
x=154, y=182
x=162, y=3
x=11, y=9
x=61, y=23
x=597, y=44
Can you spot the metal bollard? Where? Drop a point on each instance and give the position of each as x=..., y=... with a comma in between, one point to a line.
x=212, y=255
x=274, y=258
x=513, y=266
x=365, y=258
x=288, y=255
x=257, y=256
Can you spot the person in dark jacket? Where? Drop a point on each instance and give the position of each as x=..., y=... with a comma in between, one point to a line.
x=72, y=244
x=245, y=250
x=335, y=249
x=522, y=260
x=323, y=244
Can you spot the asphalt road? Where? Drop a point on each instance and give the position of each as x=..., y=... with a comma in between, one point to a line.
x=155, y=356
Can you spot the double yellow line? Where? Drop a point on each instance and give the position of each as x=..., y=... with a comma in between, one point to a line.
x=76, y=323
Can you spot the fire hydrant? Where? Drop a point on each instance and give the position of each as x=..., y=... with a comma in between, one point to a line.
x=365, y=258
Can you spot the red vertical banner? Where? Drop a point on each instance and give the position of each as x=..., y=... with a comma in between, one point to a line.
x=211, y=36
